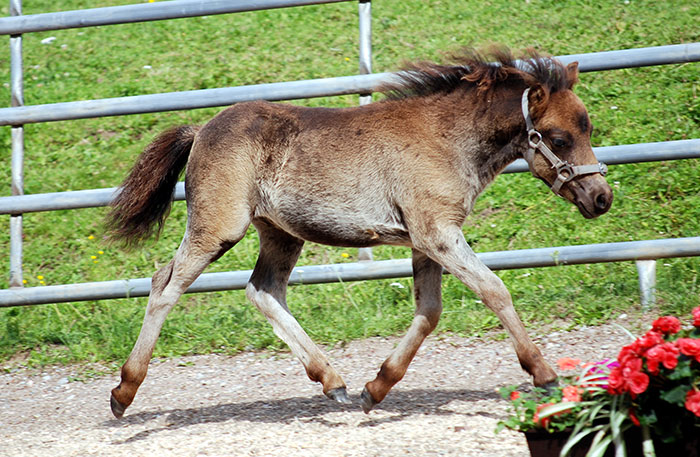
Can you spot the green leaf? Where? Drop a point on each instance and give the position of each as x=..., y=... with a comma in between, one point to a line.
x=647, y=417
x=576, y=437
x=682, y=371
x=593, y=412
x=558, y=408
x=600, y=444
x=675, y=396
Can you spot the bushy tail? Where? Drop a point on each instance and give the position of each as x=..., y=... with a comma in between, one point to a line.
x=144, y=198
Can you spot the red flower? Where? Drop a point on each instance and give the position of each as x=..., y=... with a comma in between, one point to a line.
x=689, y=347
x=692, y=401
x=631, y=365
x=571, y=393
x=634, y=418
x=616, y=382
x=634, y=382
x=544, y=422
x=666, y=354
x=696, y=316
x=628, y=354
x=628, y=377
x=651, y=339
x=567, y=363
x=666, y=324
x=638, y=383
x=514, y=395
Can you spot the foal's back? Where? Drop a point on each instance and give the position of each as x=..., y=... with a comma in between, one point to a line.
x=333, y=176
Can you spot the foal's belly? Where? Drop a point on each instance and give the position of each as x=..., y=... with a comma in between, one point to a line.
x=337, y=233
x=344, y=224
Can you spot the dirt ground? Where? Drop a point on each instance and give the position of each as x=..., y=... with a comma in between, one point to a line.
x=262, y=404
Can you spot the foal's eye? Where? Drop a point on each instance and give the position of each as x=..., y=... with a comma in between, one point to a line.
x=558, y=142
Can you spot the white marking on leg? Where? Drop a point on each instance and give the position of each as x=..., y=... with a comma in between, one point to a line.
x=284, y=325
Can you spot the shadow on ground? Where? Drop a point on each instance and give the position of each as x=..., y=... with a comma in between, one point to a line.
x=402, y=404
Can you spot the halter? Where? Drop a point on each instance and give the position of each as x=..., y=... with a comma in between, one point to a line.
x=565, y=171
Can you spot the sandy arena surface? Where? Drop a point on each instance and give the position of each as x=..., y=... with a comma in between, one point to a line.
x=262, y=404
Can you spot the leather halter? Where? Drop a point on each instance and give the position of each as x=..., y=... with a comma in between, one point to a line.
x=565, y=171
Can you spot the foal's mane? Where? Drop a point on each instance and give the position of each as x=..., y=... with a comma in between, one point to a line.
x=483, y=71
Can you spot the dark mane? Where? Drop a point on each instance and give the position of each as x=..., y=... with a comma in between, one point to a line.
x=480, y=70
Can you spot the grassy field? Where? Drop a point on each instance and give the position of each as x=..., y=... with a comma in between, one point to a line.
x=657, y=200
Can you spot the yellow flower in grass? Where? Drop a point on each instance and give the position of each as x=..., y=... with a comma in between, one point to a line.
x=40, y=277
x=91, y=237
x=345, y=255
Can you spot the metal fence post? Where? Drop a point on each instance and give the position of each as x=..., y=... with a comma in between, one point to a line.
x=647, y=282
x=365, y=12
x=17, y=170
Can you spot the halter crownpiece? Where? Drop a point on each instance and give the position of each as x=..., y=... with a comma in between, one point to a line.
x=565, y=171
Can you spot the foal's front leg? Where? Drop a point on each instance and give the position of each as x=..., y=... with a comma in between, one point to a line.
x=448, y=247
x=427, y=278
x=267, y=289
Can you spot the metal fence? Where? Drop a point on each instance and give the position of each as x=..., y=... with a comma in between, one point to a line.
x=644, y=252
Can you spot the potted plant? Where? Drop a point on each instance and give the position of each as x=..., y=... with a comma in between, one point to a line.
x=645, y=403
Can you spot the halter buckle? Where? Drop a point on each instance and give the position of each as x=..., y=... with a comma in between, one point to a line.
x=565, y=171
x=534, y=138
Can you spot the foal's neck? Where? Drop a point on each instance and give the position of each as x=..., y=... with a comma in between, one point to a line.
x=487, y=129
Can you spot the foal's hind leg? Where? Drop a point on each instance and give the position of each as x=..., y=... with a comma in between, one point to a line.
x=168, y=284
x=267, y=289
x=427, y=278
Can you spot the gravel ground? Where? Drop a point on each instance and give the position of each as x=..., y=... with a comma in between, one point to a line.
x=262, y=404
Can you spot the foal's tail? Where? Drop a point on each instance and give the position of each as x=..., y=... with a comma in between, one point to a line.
x=144, y=198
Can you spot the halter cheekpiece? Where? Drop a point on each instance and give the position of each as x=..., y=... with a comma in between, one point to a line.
x=565, y=171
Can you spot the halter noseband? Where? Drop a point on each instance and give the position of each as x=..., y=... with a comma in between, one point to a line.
x=565, y=171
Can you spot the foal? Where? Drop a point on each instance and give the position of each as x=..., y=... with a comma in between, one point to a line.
x=404, y=171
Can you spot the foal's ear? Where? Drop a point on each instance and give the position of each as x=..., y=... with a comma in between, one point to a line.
x=538, y=99
x=572, y=74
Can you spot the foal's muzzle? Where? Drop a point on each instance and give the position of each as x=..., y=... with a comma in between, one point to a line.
x=603, y=202
x=592, y=197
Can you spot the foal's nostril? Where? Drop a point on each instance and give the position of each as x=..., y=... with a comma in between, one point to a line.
x=602, y=202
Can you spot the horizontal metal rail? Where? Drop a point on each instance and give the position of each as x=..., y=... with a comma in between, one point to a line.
x=626, y=153
x=140, y=13
x=361, y=271
x=639, y=57
x=90, y=198
x=191, y=99
x=343, y=85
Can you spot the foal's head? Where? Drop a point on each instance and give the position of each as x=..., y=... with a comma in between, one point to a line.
x=558, y=149
x=559, y=137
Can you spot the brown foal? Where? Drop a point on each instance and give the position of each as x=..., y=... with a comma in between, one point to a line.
x=403, y=171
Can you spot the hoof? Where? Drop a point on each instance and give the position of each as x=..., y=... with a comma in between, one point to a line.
x=551, y=386
x=117, y=408
x=339, y=394
x=368, y=402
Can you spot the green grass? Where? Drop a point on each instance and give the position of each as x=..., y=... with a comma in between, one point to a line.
x=657, y=200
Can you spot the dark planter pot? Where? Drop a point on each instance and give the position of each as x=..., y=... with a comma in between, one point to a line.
x=543, y=444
